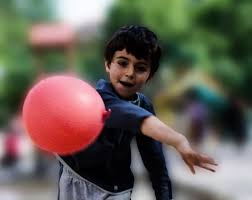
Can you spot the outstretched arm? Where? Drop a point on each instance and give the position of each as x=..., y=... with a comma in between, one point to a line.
x=156, y=129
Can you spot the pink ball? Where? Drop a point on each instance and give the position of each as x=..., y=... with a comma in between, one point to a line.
x=63, y=114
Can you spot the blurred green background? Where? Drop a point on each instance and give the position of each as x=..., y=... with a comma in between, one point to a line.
x=214, y=35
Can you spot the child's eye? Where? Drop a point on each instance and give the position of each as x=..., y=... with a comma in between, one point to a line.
x=123, y=63
x=141, y=69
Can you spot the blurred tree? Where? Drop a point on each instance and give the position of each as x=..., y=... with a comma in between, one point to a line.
x=16, y=16
x=213, y=34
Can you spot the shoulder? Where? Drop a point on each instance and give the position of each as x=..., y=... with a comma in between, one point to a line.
x=146, y=102
x=105, y=89
x=103, y=86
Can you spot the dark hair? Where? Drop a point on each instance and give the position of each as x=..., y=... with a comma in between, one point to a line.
x=138, y=41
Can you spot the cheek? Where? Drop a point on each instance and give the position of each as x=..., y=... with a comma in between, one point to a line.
x=141, y=81
x=143, y=78
x=116, y=73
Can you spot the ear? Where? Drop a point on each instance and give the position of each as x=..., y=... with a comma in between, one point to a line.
x=149, y=78
x=107, y=66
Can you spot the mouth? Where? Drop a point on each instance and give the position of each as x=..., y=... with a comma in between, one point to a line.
x=126, y=84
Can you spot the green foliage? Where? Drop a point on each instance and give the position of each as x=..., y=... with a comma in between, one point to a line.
x=90, y=61
x=16, y=62
x=213, y=34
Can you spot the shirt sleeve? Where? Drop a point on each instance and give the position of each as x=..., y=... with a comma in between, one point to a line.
x=151, y=152
x=124, y=115
x=153, y=158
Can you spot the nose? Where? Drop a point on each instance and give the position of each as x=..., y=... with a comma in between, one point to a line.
x=130, y=71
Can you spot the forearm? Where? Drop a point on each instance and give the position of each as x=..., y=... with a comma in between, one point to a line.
x=156, y=129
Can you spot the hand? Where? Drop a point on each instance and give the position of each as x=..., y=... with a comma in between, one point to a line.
x=192, y=158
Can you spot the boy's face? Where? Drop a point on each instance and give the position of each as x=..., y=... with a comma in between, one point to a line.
x=127, y=73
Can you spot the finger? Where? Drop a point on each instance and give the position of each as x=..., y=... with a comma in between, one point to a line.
x=205, y=166
x=206, y=159
x=191, y=167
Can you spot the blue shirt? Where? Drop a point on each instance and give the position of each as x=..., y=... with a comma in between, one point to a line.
x=107, y=161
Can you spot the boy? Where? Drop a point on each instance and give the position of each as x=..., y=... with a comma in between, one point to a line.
x=102, y=171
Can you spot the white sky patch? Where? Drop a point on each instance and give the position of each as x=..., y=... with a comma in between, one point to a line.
x=79, y=12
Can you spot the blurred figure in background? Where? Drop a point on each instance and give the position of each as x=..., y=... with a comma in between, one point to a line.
x=234, y=122
x=198, y=116
x=11, y=148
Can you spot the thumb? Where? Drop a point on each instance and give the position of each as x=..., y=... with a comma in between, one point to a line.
x=190, y=165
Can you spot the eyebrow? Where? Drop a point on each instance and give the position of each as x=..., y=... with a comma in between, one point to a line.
x=140, y=62
x=122, y=57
